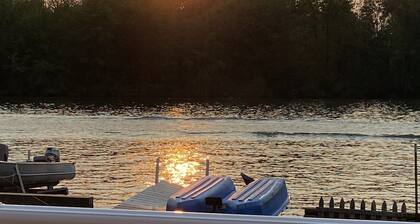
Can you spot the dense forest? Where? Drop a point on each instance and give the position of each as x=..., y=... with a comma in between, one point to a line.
x=210, y=48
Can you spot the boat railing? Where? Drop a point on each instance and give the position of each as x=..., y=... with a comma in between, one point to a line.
x=51, y=215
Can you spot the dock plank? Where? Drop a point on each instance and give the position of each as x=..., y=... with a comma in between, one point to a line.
x=152, y=198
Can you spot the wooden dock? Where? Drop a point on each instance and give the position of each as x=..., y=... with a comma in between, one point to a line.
x=152, y=198
x=46, y=200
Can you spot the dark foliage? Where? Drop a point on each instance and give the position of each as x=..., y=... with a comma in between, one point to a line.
x=210, y=48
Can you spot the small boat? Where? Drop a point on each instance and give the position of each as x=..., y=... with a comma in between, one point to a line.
x=198, y=196
x=265, y=196
x=43, y=171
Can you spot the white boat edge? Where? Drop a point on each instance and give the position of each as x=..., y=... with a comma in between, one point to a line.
x=15, y=214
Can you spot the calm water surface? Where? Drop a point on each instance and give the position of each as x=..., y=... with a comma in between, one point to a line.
x=358, y=150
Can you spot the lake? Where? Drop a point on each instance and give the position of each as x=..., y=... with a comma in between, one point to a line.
x=350, y=149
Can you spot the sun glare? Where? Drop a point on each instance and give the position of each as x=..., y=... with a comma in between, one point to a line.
x=181, y=165
x=179, y=171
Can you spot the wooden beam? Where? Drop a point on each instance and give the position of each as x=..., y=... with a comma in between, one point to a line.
x=46, y=200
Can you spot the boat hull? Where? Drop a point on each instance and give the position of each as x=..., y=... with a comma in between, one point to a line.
x=265, y=196
x=35, y=174
x=193, y=198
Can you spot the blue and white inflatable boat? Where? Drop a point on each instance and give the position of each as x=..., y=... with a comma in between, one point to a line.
x=193, y=198
x=265, y=196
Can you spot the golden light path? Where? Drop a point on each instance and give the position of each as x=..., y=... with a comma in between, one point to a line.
x=182, y=165
x=179, y=171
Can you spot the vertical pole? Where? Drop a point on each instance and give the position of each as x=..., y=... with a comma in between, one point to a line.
x=157, y=170
x=415, y=181
x=22, y=187
x=207, y=167
x=29, y=156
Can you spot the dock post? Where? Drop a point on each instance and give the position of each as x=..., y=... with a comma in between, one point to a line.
x=416, y=182
x=207, y=167
x=157, y=171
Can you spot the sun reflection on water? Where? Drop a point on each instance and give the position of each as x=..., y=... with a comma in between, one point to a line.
x=181, y=164
x=179, y=172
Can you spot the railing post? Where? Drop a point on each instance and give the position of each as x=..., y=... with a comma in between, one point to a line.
x=331, y=205
x=363, y=205
x=394, y=207
x=207, y=167
x=342, y=203
x=352, y=204
x=363, y=209
x=384, y=211
x=342, y=211
x=157, y=171
x=352, y=207
x=320, y=208
x=384, y=207
x=331, y=208
x=404, y=208
x=29, y=156
x=416, y=181
x=321, y=202
x=373, y=209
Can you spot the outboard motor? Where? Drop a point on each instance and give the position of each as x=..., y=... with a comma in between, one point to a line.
x=4, y=152
x=52, y=154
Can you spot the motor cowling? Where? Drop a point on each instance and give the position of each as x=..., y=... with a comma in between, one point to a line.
x=52, y=154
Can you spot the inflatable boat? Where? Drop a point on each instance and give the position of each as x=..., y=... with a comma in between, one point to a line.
x=265, y=196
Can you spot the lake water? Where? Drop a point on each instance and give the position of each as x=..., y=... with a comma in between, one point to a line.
x=360, y=150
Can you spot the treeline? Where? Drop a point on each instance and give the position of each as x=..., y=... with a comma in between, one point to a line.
x=210, y=48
